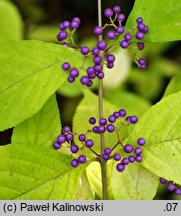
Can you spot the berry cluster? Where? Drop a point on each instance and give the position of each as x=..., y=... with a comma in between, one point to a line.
x=100, y=54
x=67, y=136
x=103, y=125
x=67, y=29
x=171, y=186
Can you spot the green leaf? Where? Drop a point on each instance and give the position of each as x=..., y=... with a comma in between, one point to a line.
x=87, y=108
x=30, y=72
x=11, y=26
x=93, y=172
x=162, y=17
x=135, y=183
x=160, y=126
x=84, y=191
x=126, y=100
x=174, y=86
x=33, y=172
x=41, y=129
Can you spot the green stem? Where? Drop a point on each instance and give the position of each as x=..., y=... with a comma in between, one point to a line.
x=102, y=144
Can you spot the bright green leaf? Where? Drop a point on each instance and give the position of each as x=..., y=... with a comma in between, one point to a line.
x=126, y=100
x=84, y=191
x=161, y=127
x=41, y=129
x=94, y=176
x=10, y=22
x=135, y=183
x=30, y=72
x=174, y=86
x=33, y=172
x=162, y=17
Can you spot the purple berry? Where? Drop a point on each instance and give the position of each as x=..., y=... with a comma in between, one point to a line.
x=146, y=29
x=98, y=68
x=133, y=119
x=92, y=75
x=101, y=45
x=66, y=24
x=74, y=148
x=125, y=161
x=74, y=73
x=111, y=34
x=111, y=119
x=122, y=113
x=121, y=17
x=95, y=51
x=143, y=67
x=138, y=151
x=105, y=157
x=65, y=44
x=117, y=157
x=69, y=137
x=90, y=70
x=120, y=167
x=97, y=60
x=141, y=141
x=140, y=45
x=128, y=148
x=82, y=159
x=128, y=118
x=65, y=66
x=108, y=12
x=107, y=151
x=131, y=159
x=92, y=120
x=71, y=79
x=120, y=29
x=171, y=187
x=56, y=145
x=61, y=26
x=61, y=139
x=127, y=37
x=178, y=191
x=74, y=163
x=116, y=114
x=138, y=158
x=95, y=129
x=110, y=128
x=102, y=121
x=74, y=24
x=100, y=75
x=102, y=129
x=89, y=143
x=142, y=61
x=82, y=137
x=110, y=58
x=77, y=19
x=124, y=44
x=84, y=80
x=66, y=129
x=62, y=35
x=98, y=30
x=163, y=181
x=84, y=50
x=139, y=20
x=141, y=27
x=116, y=9
x=139, y=35
x=110, y=65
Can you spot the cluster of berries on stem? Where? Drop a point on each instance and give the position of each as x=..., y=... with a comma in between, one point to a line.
x=172, y=187
x=112, y=124
x=101, y=54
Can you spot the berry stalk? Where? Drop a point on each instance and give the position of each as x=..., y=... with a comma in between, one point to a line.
x=100, y=98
